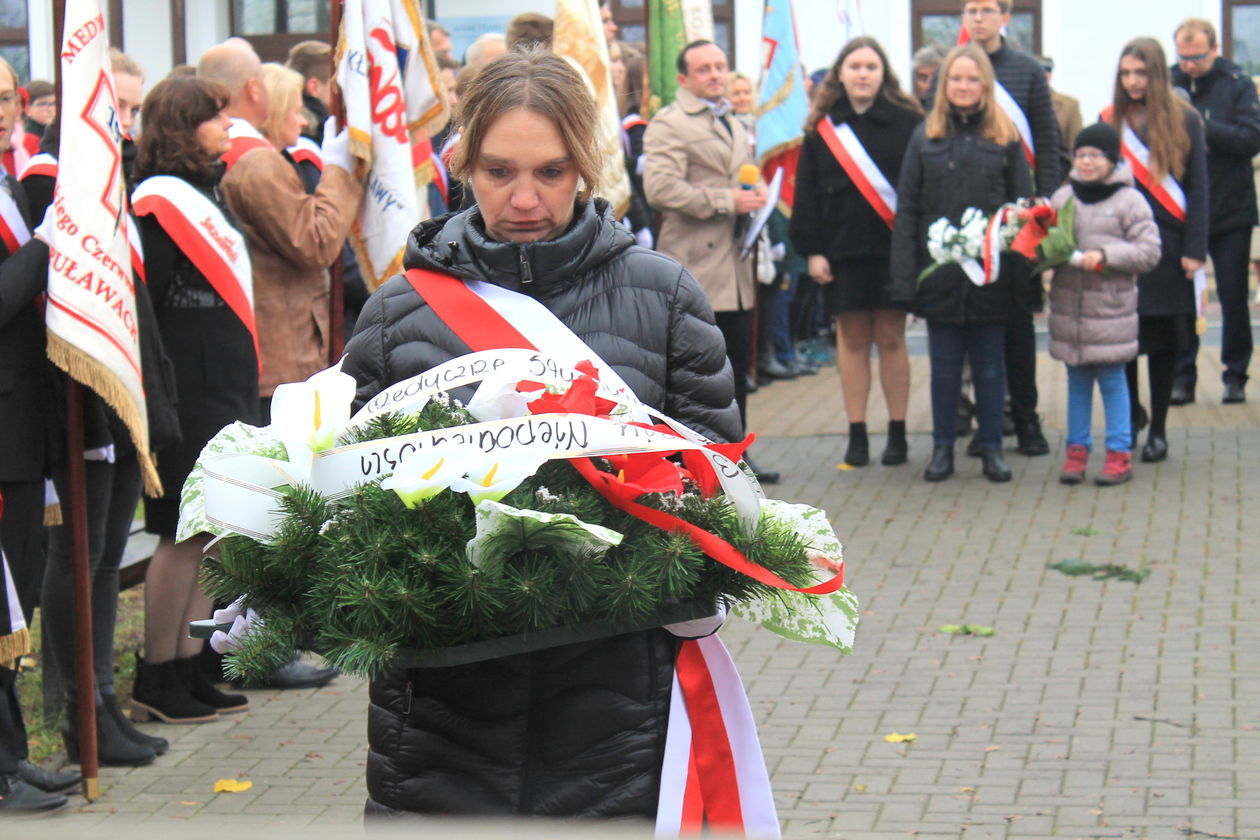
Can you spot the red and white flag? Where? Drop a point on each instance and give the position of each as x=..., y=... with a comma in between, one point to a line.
x=392, y=92
x=93, y=332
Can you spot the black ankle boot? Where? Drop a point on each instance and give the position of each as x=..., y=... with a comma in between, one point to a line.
x=859, y=452
x=160, y=693
x=993, y=465
x=203, y=691
x=158, y=745
x=113, y=748
x=897, y=450
x=942, y=465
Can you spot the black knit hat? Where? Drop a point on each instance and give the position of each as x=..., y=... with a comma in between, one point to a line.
x=1102, y=137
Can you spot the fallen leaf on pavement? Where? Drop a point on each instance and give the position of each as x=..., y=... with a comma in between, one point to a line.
x=231, y=786
x=860, y=788
x=898, y=738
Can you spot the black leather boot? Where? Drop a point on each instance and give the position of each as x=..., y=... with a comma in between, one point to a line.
x=21, y=799
x=158, y=745
x=113, y=748
x=993, y=465
x=859, y=452
x=1031, y=440
x=160, y=694
x=942, y=465
x=204, y=691
x=896, y=450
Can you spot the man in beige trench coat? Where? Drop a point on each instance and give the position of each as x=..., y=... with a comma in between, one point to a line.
x=693, y=150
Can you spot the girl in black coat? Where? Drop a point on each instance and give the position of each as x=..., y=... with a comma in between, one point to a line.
x=967, y=154
x=847, y=240
x=576, y=730
x=1172, y=131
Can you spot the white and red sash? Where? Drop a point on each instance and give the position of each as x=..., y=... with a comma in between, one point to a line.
x=306, y=150
x=203, y=233
x=41, y=164
x=1011, y=108
x=861, y=169
x=714, y=771
x=1167, y=191
x=244, y=138
x=14, y=231
x=632, y=121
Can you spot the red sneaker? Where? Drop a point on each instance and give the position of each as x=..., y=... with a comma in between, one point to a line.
x=1117, y=470
x=1074, y=467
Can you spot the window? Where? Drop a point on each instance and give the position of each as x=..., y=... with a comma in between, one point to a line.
x=14, y=45
x=273, y=26
x=1240, y=41
x=938, y=22
x=631, y=17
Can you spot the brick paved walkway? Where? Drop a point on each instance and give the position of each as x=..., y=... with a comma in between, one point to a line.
x=1099, y=709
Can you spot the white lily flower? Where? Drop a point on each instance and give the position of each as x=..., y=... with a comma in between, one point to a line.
x=307, y=416
x=496, y=398
x=422, y=476
x=494, y=478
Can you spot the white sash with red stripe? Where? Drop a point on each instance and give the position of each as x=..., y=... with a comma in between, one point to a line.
x=244, y=138
x=206, y=237
x=13, y=229
x=861, y=169
x=306, y=150
x=41, y=164
x=1008, y=105
x=1167, y=191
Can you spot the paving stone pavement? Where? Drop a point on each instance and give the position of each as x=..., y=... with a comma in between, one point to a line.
x=1098, y=709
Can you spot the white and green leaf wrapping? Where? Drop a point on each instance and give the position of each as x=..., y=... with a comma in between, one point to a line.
x=235, y=439
x=503, y=530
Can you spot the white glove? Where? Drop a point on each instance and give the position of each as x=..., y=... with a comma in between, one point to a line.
x=1076, y=259
x=699, y=627
x=644, y=237
x=242, y=624
x=336, y=147
x=778, y=251
x=44, y=230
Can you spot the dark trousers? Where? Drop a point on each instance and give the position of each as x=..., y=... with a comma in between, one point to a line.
x=982, y=345
x=12, y=730
x=22, y=535
x=737, y=327
x=1231, y=253
x=113, y=490
x=1021, y=367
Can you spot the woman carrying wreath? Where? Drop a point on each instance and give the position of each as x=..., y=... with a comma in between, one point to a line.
x=198, y=277
x=855, y=138
x=576, y=730
x=1162, y=138
x=966, y=154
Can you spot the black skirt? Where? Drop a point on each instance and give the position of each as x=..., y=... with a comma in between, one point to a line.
x=858, y=287
x=1165, y=334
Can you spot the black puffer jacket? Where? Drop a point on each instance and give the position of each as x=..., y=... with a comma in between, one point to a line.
x=576, y=730
x=1226, y=98
x=943, y=178
x=830, y=216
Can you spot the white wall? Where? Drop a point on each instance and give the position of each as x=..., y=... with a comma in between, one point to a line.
x=142, y=22
x=39, y=32
x=206, y=23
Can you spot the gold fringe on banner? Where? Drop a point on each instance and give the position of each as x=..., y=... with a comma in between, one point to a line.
x=52, y=515
x=91, y=373
x=14, y=646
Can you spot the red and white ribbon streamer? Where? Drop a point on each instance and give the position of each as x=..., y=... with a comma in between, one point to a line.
x=861, y=169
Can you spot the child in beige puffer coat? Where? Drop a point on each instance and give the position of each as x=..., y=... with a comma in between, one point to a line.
x=1094, y=298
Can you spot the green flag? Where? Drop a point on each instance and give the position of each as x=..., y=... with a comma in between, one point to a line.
x=666, y=38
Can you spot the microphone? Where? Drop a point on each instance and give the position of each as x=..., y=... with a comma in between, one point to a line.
x=748, y=176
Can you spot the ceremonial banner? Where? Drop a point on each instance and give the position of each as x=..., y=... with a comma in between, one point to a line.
x=579, y=36
x=91, y=314
x=850, y=15
x=697, y=20
x=389, y=82
x=667, y=35
x=782, y=106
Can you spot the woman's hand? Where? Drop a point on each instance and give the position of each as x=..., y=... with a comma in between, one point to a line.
x=1092, y=260
x=820, y=268
x=1190, y=265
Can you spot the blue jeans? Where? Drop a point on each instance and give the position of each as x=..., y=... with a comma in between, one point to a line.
x=1080, y=408
x=779, y=317
x=983, y=345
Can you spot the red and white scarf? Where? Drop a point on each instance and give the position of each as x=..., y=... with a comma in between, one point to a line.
x=244, y=138
x=714, y=773
x=14, y=231
x=861, y=169
x=199, y=228
x=1016, y=114
x=41, y=164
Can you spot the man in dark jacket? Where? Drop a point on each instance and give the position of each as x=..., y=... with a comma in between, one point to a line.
x=313, y=59
x=1226, y=99
x=1029, y=105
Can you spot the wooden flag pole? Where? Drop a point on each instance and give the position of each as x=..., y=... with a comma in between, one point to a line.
x=74, y=510
x=337, y=271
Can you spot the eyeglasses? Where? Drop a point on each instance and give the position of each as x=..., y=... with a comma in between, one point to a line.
x=41, y=105
x=988, y=11
x=1084, y=155
x=9, y=100
x=1193, y=59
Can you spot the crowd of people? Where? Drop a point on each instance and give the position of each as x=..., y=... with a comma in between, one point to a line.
x=661, y=291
